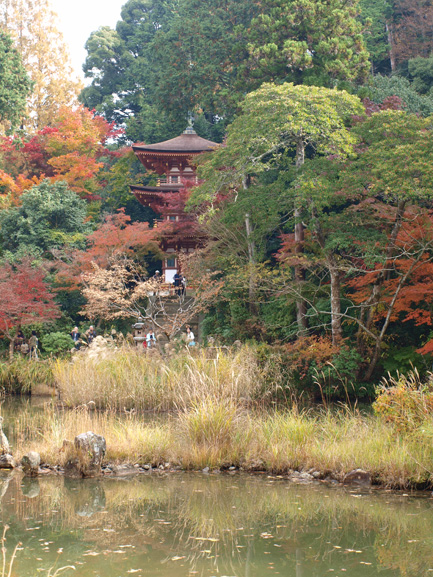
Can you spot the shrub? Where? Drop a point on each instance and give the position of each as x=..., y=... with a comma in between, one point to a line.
x=55, y=343
x=404, y=401
x=312, y=367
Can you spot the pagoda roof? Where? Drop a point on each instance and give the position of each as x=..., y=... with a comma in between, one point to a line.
x=188, y=142
x=152, y=189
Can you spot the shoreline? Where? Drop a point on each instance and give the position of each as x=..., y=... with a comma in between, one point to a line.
x=127, y=470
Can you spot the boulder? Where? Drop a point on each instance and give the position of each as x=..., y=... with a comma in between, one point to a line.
x=7, y=462
x=300, y=477
x=30, y=464
x=93, y=445
x=86, y=456
x=125, y=470
x=357, y=477
x=4, y=443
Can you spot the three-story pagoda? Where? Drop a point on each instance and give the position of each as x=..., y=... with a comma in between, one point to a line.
x=173, y=161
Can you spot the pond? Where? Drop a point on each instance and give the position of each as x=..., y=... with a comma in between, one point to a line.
x=193, y=524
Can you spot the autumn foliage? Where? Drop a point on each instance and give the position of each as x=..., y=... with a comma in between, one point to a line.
x=73, y=150
x=116, y=236
x=25, y=298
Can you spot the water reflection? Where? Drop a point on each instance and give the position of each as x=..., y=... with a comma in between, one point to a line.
x=188, y=525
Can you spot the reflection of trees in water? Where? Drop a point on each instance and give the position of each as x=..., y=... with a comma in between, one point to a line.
x=227, y=521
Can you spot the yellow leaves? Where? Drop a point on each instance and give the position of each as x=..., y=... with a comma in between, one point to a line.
x=34, y=26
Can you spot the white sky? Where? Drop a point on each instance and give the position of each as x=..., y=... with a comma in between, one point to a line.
x=78, y=18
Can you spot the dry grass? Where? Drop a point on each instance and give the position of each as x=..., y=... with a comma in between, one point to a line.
x=218, y=433
x=126, y=379
x=20, y=375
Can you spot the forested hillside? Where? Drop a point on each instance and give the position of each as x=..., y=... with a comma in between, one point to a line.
x=316, y=211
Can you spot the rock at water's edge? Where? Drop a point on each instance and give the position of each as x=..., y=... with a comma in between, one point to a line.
x=86, y=456
x=30, y=463
x=7, y=462
x=94, y=445
x=357, y=477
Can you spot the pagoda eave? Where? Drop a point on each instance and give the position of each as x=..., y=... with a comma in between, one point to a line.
x=141, y=150
x=147, y=194
x=161, y=161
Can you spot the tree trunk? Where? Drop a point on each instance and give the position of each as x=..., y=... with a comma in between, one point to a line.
x=252, y=281
x=11, y=348
x=334, y=273
x=391, y=45
x=301, y=308
x=252, y=294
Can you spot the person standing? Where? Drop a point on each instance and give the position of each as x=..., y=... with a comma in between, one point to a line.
x=19, y=340
x=150, y=339
x=90, y=334
x=177, y=284
x=190, y=338
x=33, y=346
x=75, y=335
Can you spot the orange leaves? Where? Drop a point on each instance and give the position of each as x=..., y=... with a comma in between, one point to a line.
x=116, y=236
x=7, y=184
x=411, y=256
x=78, y=131
x=71, y=150
x=78, y=171
x=427, y=349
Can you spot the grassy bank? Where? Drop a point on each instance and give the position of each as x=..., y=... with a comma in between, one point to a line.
x=225, y=408
x=220, y=434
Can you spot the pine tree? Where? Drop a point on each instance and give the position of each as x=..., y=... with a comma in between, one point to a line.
x=306, y=42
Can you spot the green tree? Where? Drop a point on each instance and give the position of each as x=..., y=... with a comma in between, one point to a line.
x=50, y=217
x=382, y=87
x=306, y=41
x=396, y=167
x=196, y=57
x=421, y=72
x=376, y=17
x=278, y=122
x=118, y=65
x=15, y=85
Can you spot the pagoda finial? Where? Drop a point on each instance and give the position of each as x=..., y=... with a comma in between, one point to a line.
x=190, y=127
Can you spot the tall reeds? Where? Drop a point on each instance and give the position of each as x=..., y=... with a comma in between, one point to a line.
x=218, y=418
x=19, y=376
x=128, y=379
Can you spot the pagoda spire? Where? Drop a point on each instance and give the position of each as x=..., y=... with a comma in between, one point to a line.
x=190, y=128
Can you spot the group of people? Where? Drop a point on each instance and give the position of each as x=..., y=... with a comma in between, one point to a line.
x=25, y=347
x=150, y=341
x=30, y=347
x=179, y=282
x=89, y=335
